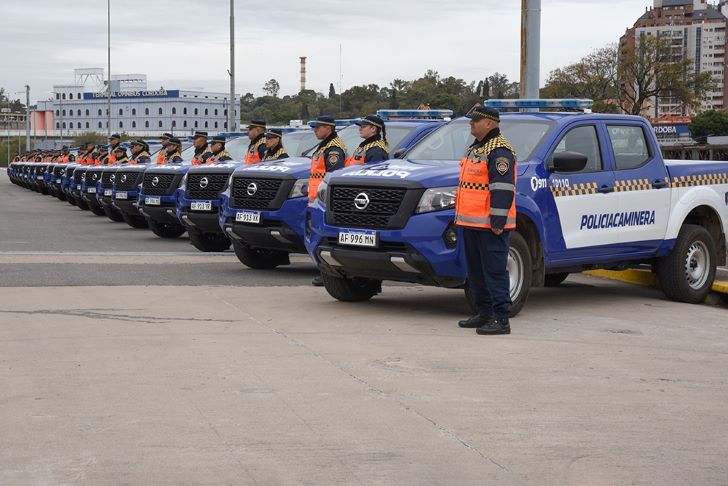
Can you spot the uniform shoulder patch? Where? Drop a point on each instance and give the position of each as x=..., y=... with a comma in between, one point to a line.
x=333, y=158
x=502, y=164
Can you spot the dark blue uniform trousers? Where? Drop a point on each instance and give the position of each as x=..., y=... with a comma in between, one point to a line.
x=486, y=255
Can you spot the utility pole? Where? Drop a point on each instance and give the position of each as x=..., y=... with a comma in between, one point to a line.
x=232, y=122
x=27, y=118
x=108, y=74
x=530, y=48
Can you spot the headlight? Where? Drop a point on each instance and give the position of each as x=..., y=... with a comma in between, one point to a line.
x=299, y=189
x=437, y=199
x=321, y=193
x=183, y=183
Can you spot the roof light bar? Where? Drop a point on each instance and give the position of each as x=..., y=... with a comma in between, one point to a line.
x=439, y=114
x=570, y=103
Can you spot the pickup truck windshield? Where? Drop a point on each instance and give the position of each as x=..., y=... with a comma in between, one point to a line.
x=448, y=143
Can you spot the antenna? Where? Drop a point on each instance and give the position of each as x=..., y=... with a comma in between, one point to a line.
x=341, y=78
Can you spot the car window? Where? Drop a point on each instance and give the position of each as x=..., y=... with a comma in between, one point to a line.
x=629, y=146
x=298, y=142
x=582, y=140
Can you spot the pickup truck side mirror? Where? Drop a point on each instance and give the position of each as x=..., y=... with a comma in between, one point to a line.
x=399, y=153
x=568, y=162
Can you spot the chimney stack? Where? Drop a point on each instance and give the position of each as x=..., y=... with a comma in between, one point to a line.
x=303, y=73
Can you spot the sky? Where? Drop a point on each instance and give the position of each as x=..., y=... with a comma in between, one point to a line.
x=185, y=43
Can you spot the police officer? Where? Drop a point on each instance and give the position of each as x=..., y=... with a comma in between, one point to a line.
x=101, y=155
x=114, y=141
x=330, y=155
x=162, y=152
x=172, y=154
x=274, y=148
x=374, y=148
x=119, y=154
x=485, y=209
x=139, y=153
x=202, y=151
x=217, y=150
x=256, y=148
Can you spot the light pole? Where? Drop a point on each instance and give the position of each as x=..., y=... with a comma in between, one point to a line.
x=27, y=118
x=530, y=48
x=108, y=74
x=231, y=114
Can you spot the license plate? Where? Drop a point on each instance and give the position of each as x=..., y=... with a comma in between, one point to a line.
x=58, y=181
x=91, y=190
x=39, y=177
x=121, y=195
x=78, y=187
x=358, y=238
x=152, y=201
x=248, y=217
x=108, y=192
x=201, y=206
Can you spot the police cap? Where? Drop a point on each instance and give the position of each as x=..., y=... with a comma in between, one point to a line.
x=199, y=135
x=175, y=141
x=166, y=136
x=324, y=120
x=115, y=136
x=484, y=113
x=218, y=139
x=273, y=133
x=257, y=124
x=372, y=120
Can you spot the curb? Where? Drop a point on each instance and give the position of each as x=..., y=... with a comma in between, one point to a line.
x=649, y=279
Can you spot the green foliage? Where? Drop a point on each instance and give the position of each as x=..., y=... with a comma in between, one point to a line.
x=711, y=123
x=429, y=90
x=15, y=106
x=93, y=137
x=13, y=145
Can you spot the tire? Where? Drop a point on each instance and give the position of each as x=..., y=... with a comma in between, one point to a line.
x=519, y=270
x=258, y=258
x=82, y=204
x=135, y=221
x=98, y=210
x=165, y=230
x=70, y=199
x=113, y=214
x=209, y=242
x=555, y=279
x=351, y=289
x=60, y=196
x=687, y=273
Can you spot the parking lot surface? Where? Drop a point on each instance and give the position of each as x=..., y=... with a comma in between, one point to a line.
x=127, y=359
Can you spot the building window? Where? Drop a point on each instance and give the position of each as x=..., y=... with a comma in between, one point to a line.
x=195, y=124
x=133, y=124
x=184, y=110
x=215, y=111
x=87, y=125
x=70, y=125
x=160, y=123
x=87, y=113
x=70, y=96
x=184, y=124
x=174, y=110
x=146, y=124
x=79, y=96
x=133, y=112
x=64, y=112
x=146, y=111
x=121, y=124
x=196, y=111
x=99, y=111
x=63, y=96
x=58, y=113
x=79, y=112
x=58, y=96
x=215, y=124
x=225, y=112
x=99, y=124
x=121, y=112
x=206, y=111
x=160, y=112
x=174, y=123
x=224, y=125
x=58, y=125
x=205, y=124
x=64, y=124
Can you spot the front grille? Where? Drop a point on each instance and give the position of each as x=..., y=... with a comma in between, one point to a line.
x=92, y=177
x=383, y=206
x=70, y=171
x=265, y=193
x=162, y=186
x=213, y=188
x=107, y=179
x=78, y=175
x=58, y=171
x=126, y=180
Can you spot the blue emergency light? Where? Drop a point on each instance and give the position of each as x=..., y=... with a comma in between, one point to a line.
x=568, y=103
x=416, y=114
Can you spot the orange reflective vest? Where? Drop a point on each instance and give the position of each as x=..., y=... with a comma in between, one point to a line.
x=135, y=160
x=318, y=167
x=199, y=159
x=360, y=154
x=160, y=157
x=111, y=159
x=472, y=201
x=252, y=156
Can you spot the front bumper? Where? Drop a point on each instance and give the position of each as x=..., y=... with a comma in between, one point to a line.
x=164, y=213
x=129, y=205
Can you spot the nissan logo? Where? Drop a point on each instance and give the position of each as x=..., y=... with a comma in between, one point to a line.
x=155, y=181
x=361, y=201
x=123, y=178
x=204, y=182
x=112, y=178
x=252, y=189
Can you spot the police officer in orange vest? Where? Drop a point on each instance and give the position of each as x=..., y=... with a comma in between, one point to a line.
x=217, y=150
x=202, y=151
x=374, y=148
x=139, y=153
x=256, y=148
x=274, y=148
x=485, y=209
x=114, y=141
x=120, y=157
x=162, y=152
x=172, y=154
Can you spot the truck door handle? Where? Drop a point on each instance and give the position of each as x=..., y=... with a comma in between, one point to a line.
x=659, y=184
x=606, y=189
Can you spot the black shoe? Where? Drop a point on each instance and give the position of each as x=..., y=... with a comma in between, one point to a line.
x=317, y=282
x=475, y=321
x=494, y=326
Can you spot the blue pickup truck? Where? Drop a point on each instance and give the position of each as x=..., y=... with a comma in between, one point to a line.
x=263, y=209
x=593, y=191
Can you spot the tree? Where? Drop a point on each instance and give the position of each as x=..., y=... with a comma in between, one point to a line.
x=271, y=88
x=332, y=91
x=711, y=123
x=594, y=77
x=649, y=70
x=93, y=137
x=499, y=87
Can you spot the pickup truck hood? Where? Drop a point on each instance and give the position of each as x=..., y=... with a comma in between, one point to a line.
x=292, y=167
x=216, y=168
x=427, y=173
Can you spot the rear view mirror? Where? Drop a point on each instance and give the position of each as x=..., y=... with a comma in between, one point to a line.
x=399, y=153
x=568, y=162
